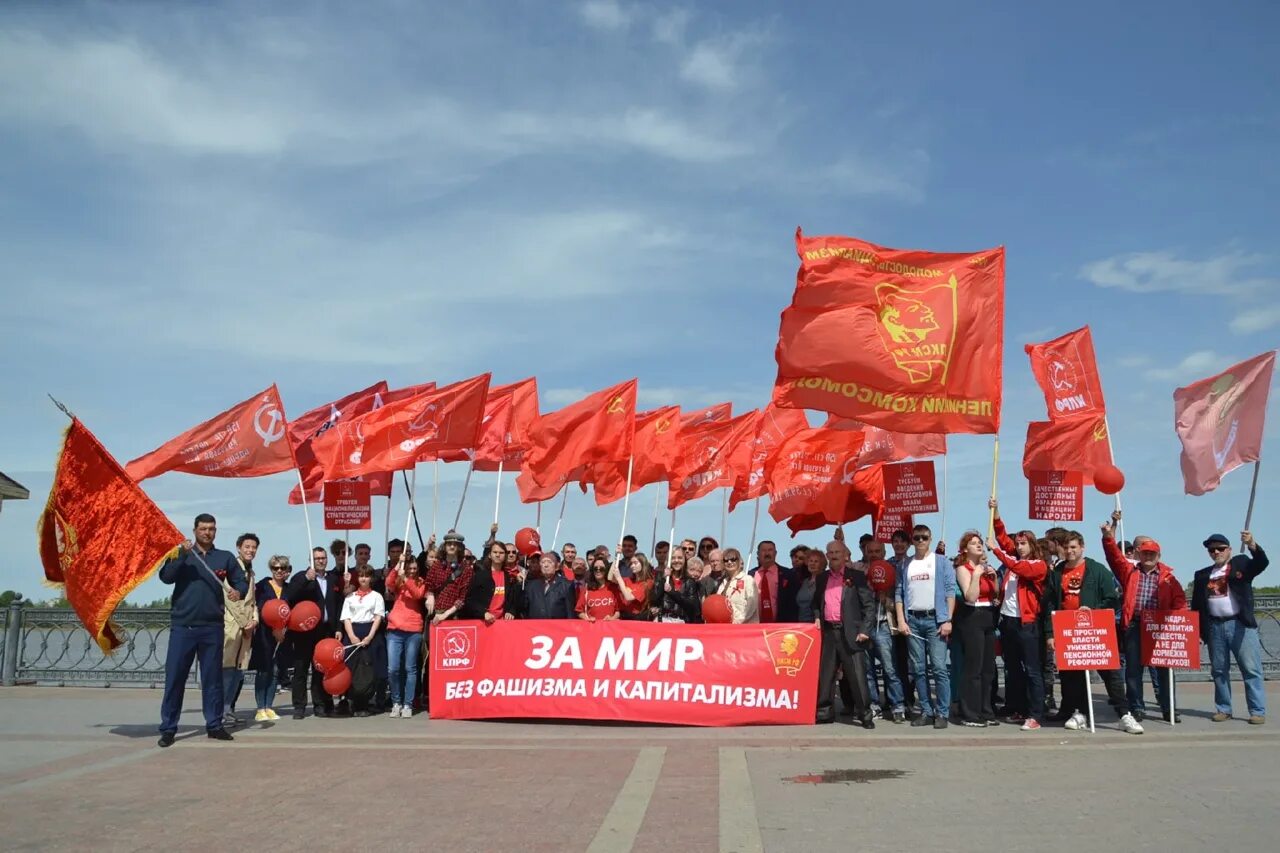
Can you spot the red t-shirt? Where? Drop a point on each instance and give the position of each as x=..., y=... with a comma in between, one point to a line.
x=1072, y=580
x=599, y=603
x=497, y=604
x=643, y=591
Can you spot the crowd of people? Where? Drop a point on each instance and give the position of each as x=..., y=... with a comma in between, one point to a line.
x=921, y=650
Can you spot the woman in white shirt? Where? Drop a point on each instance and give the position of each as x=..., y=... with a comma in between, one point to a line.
x=362, y=615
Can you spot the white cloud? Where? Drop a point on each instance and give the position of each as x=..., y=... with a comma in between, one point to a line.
x=606, y=15
x=1159, y=272
x=1196, y=365
x=1257, y=319
x=719, y=63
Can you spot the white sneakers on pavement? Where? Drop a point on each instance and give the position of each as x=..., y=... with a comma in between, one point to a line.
x=1130, y=726
x=1076, y=722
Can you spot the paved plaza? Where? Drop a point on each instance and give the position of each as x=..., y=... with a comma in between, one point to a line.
x=79, y=769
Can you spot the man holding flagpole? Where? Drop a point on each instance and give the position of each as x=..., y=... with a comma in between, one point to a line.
x=1222, y=594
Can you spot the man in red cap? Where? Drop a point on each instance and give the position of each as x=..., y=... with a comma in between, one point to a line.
x=1148, y=585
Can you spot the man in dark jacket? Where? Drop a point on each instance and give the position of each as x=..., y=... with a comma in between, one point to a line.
x=1080, y=583
x=549, y=595
x=324, y=588
x=777, y=585
x=844, y=635
x=1223, y=596
x=196, y=625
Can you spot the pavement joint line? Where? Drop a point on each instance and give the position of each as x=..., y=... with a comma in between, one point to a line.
x=264, y=744
x=1132, y=743
x=129, y=757
x=739, y=829
x=622, y=823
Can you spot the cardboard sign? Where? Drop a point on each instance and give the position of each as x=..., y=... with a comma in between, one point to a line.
x=346, y=505
x=1171, y=638
x=1085, y=639
x=910, y=487
x=890, y=523
x=1056, y=496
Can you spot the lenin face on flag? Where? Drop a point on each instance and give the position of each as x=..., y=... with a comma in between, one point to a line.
x=918, y=327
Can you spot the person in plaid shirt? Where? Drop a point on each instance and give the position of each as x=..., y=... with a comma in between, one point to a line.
x=1147, y=584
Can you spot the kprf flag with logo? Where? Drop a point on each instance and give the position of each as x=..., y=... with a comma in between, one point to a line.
x=1067, y=372
x=904, y=340
x=598, y=428
x=100, y=535
x=1071, y=444
x=401, y=434
x=851, y=498
x=247, y=440
x=718, y=413
x=1219, y=421
x=309, y=425
x=707, y=458
x=882, y=445
x=772, y=426
x=654, y=450
x=807, y=465
x=524, y=411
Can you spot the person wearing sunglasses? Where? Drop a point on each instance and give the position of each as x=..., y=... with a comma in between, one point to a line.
x=739, y=588
x=265, y=660
x=925, y=600
x=1222, y=594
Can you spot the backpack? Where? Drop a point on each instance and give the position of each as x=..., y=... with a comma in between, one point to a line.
x=362, y=678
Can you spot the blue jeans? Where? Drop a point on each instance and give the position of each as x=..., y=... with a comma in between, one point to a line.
x=1132, y=639
x=928, y=662
x=232, y=681
x=402, y=664
x=185, y=644
x=882, y=650
x=264, y=687
x=1229, y=637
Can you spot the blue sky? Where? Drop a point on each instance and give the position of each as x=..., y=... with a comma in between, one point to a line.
x=197, y=200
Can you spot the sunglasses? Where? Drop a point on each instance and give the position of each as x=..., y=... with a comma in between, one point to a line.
x=732, y=560
x=920, y=538
x=280, y=568
x=1214, y=549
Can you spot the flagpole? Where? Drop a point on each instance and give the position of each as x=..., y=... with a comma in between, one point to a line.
x=413, y=509
x=755, y=520
x=626, y=502
x=995, y=470
x=724, y=517
x=386, y=522
x=942, y=535
x=461, y=501
x=1253, y=494
x=408, y=519
x=537, y=521
x=673, y=532
x=435, y=495
x=564, y=499
x=1111, y=454
x=497, y=498
x=302, y=489
x=657, y=504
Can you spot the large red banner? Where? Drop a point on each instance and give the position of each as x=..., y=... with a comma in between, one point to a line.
x=910, y=487
x=1085, y=639
x=655, y=672
x=1055, y=496
x=1171, y=638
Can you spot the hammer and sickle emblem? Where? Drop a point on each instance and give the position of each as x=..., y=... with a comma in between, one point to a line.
x=850, y=468
x=662, y=426
x=1100, y=431
x=615, y=406
x=274, y=429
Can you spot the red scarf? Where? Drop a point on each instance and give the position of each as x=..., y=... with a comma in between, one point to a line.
x=766, y=605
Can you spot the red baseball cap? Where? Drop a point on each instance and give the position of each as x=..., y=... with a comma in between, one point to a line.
x=1149, y=545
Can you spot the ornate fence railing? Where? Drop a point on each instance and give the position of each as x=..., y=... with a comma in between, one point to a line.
x=49, y=646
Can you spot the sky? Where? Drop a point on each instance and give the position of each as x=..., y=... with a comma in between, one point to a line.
x=197, y=200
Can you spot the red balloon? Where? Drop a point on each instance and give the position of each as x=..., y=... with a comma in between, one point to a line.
x=338, y=682
x=881, y=576
x=328, y=656
x=1108, y=479
x=305, y=616
x=715, y=610
x=276, y=613
x=528, y=542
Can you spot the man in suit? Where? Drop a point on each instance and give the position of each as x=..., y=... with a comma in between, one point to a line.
x=777, y=586
x=324, y=588
x=847, y=619
x=1223, y=596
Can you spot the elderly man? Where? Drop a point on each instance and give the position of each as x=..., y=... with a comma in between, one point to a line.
x=1223, y=596
x=547, y=595
x=712, y=572
x=777, y=585
x=1150, y=585
x=846, y=613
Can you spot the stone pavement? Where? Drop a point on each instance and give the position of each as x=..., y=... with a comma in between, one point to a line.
x=79, y=769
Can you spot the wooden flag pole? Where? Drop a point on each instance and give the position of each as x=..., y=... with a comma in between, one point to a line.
x=995, y=471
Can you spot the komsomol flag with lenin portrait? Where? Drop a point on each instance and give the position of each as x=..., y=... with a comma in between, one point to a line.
x=904, y=340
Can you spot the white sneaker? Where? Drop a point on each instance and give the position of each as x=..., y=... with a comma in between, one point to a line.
x=1076, y=722
x=1130, y=726
x=406, y=712
x=395, y=712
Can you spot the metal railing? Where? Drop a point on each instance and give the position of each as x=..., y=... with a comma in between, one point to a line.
x=45, y=645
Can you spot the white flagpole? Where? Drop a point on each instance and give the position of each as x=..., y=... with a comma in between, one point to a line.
x=1088, y=683
x=755, y=520
x=657, y=503
x=408, y=519
x=626, y=502
x=386, y=522
x=537, y=522
x=673, y=532
x=302, y=488
x=461, y=501
x=724, y=517
x=564, y=499
x=1173, y=699
x=435, y=496
x=497, y=498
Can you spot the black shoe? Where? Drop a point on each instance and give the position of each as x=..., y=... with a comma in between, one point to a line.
x=922, y=721
x=323, y=712
x=868, y=722
x=1177, y=718
x=1050, y=706
x=974, y=724
x=824, y=719
x=166, y=739
x=1060, y=717
x=220, y=734
x=344, y=709
x=992, y=722
x=1139, y=714
x=299, y=713
x=361, y=713
x=940, y=723
x=899, y=717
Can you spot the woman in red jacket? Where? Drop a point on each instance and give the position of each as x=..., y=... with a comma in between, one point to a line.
x=1021, y=591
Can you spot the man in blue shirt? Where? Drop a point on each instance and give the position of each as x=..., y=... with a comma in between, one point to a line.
x=198, y=574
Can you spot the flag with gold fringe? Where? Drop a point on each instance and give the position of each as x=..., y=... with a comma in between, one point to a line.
x=99, y=535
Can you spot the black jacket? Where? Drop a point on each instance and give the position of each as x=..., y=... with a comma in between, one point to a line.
x=549, y=599
x=1240, y=574
x=198, y=599
x=857, y=605
x=300, y=589
x=788, y=586
x=1097, y=591
x=685, y=603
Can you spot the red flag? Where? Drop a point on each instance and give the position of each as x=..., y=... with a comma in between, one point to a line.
x=1071, y=444
x=491, y=447
x=100, y=535
x=598, y=428
x=901, y=339
x=1067, y=373
x=247, y=440
x=313, y=423
x=524, y=411
x=881, y=445
x=805, y=467
x=861, y=496
x=718, y=413
x=706, y=458
x=386, y=398
x=531, y=492
x=655, y=448
x=399, y=435
x=1219, y=421
x=773, y=425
